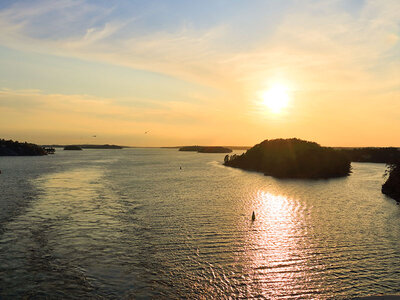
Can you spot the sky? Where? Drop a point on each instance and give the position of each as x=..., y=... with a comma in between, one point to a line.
x=200, y=72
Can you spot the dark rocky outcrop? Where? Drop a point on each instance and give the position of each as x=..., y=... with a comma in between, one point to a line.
x=72, y=147
x=292, y=158
x=391, y=187
x=206, y=149
x=15, y=148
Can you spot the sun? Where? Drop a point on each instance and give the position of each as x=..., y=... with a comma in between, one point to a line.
x=276, y=98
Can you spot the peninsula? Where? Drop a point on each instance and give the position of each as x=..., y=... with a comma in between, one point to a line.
x=292, y=158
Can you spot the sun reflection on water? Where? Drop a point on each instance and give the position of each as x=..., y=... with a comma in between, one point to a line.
x=274, y=253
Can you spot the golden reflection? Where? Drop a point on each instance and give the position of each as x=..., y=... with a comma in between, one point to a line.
x=274, y=254
x=86, y=203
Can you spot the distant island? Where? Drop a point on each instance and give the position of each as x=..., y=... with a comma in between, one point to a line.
x=72, y=147
x=206, y=149
x=214, y=149
x=386, y=155
x=229, y=147
x=15, y=148
x=106, y=146
x=391, y=187
x=90, y=146
x=292, y=158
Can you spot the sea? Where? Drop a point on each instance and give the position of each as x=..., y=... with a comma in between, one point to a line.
x=149, y=223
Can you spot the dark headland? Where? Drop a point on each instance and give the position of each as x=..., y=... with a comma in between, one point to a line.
x=206, y=149
x=391, y=187
x=15, y=148
x=292, y=158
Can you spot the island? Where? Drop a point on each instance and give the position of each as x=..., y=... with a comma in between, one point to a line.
x=206, y=149
x=91, y=146
x=106, y=146
x=292, y=158
x=72, y=147
x=190, y=148
x=391, y=187
x=214, y=149
x=15, y=148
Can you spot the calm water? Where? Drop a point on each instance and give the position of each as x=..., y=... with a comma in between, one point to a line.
x=130, y=224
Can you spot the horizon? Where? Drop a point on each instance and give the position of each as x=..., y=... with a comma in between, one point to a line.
x=179, y=146
x=167, y=73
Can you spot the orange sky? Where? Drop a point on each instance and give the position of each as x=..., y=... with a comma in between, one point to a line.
x=200, y=73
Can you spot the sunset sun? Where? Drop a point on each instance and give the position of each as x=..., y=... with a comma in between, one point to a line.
x=276, y=98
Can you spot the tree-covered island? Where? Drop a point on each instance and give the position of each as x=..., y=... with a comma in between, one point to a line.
x=292, y=158
x=206, y=149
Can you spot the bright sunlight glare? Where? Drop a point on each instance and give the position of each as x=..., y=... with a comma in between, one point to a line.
x=276, y=98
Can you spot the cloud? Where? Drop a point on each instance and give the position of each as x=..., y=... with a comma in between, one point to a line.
x=331, y=56
x=310, y=38
x=88, y=32
x=327, y=49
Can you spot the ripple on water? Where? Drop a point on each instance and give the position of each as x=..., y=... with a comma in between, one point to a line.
x=131, y=223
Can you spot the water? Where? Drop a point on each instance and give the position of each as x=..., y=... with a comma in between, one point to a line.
x=131, y=224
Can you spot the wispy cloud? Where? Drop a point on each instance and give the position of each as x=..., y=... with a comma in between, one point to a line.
x=310, y=35
x=331, y=53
